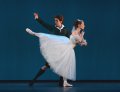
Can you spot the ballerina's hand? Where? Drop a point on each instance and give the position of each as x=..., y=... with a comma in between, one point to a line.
x=84, y=43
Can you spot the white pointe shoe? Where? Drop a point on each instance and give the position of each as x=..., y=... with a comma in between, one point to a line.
x=65, y=84
x=30, y=31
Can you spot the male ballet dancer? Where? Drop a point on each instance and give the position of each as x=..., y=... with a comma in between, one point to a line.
x=57, y=29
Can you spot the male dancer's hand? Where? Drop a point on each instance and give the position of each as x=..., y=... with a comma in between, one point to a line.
x=36, y=15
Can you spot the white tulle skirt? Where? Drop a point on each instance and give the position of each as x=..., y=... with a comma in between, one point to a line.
x=59, y=53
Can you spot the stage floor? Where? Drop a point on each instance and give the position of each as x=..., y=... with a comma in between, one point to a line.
x=53, y=87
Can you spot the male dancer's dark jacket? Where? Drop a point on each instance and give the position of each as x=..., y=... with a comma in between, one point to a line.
x=56, y=31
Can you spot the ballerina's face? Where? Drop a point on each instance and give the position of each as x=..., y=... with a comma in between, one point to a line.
x=58, y=23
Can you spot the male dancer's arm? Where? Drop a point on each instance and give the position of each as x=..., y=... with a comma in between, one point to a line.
x=66, y=32
x=44, y=24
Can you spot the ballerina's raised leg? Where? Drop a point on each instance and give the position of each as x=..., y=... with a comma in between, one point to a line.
x=31, y=32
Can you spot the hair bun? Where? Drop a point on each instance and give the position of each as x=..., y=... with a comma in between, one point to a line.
x=79, y=20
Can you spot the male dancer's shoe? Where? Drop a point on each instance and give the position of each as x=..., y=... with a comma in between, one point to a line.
x=38, y=74
x=61, y=81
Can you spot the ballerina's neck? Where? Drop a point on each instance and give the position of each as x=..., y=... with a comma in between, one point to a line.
x=76, y=32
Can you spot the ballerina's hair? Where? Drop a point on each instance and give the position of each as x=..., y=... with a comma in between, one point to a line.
x=78, y=21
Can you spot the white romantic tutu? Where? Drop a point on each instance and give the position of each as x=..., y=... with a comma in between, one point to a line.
x=59, y=53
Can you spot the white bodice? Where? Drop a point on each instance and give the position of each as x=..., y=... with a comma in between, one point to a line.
x=74, y=39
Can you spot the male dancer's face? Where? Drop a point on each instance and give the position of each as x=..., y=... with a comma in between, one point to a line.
x=58, y=23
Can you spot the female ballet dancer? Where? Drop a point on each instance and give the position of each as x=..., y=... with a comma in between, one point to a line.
x=58, y=50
